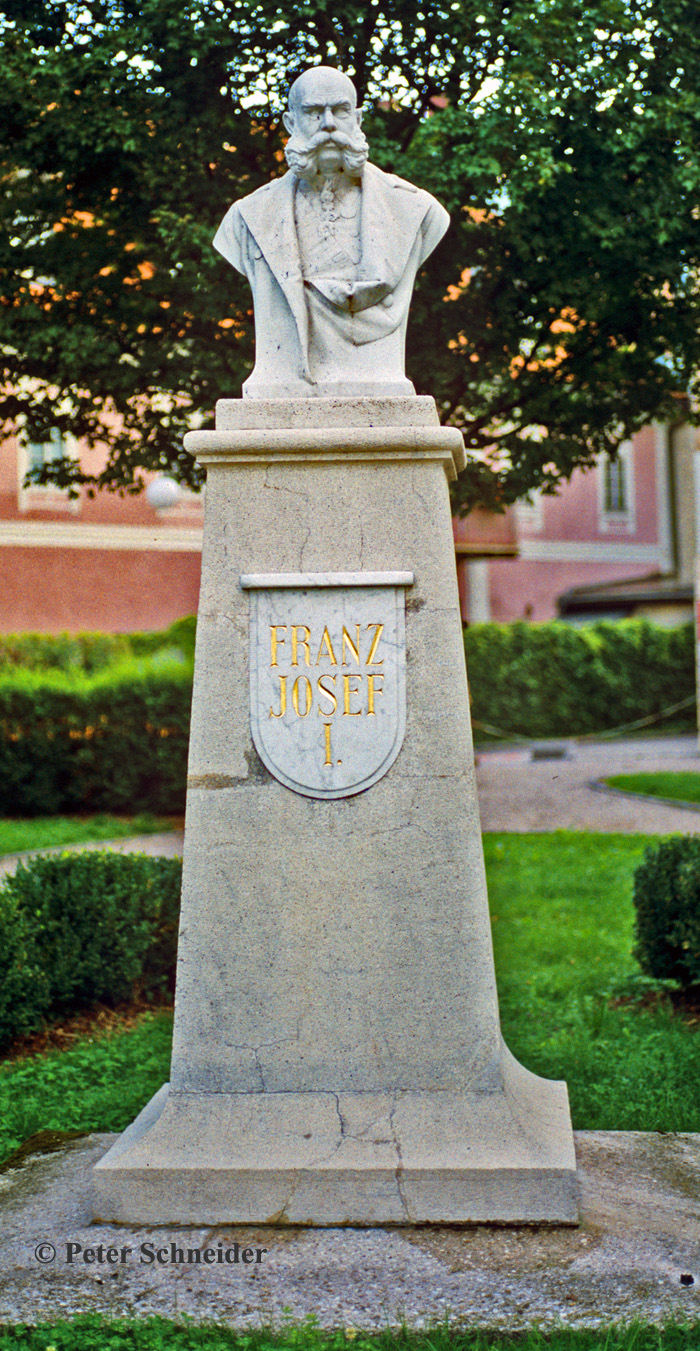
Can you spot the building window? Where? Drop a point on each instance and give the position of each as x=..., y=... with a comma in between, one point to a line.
x=34, y=455
x=616, y=496
x=616, y=493
x=529, y=513
x=40, y=453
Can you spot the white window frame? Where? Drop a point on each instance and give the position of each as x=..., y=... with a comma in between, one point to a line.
x=529, y=513
x=624, y=521
x=43, y=496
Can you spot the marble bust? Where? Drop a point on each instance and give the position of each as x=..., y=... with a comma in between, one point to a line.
x=331, y=251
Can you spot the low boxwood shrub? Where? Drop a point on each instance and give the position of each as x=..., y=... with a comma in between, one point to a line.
x=81, y=928
x=667, y=904
x=24, y=987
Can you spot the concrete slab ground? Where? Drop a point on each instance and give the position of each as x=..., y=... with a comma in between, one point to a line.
x=520, y=793
x=636, y=1254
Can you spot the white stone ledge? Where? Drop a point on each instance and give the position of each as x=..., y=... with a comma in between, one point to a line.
x=331, y=444
x=254, y=581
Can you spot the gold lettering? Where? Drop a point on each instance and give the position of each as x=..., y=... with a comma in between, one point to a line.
x=354, y=647
x=347, y=691
x=308, y=695
x=371, y=692
x=303, y=644
x=327, y=734
x=330, y=695
x=283, y=698
x=329, y=646
x=379, y=629
x=274, y=641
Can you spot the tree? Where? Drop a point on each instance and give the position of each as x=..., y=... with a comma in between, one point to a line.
x=560, y=313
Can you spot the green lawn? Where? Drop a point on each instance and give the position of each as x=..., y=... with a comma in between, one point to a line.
x=679, y=787
x=563, y=934
x=91, y=1333
x=562, y=924
x=43, y=832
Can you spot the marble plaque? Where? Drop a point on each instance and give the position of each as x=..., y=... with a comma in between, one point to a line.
x=328, y=677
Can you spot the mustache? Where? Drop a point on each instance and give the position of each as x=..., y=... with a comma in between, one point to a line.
x=338, y=138
x=301, y=151
x=306, y=145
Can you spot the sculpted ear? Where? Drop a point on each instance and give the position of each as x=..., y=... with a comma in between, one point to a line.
x=358, y=115
x=288, y=119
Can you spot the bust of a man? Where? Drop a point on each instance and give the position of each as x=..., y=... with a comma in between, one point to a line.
x=331, y=251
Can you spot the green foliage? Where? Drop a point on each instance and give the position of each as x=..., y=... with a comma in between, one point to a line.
x=667, y=902
x=667, y=785
x=573, y=1003
x=541, y=680
x=573, y=1006
x=116, y=741
x=92, y=652
x=80, y=928
x=18, y=836
x=24, y=991
x=180, y=637
x=93, y=1332
x=99, y=1084
x=561, y=313
x=87, y=652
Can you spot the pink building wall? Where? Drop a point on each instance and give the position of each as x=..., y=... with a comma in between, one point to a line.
x=109, y=563
x=116, y=564
x=572, y=540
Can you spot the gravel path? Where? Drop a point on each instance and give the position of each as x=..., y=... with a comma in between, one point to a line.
x=519, y=793
x=169, y=843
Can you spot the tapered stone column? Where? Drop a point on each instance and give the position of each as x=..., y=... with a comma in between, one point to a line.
x=337, y=1054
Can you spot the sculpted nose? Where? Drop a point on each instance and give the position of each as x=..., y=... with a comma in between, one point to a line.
x=328, y=122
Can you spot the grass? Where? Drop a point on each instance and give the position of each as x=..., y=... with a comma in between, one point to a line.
x=678, y=787
x=100, y=1084
x=44, y=832
x=93, y=1333
x=572, y=1005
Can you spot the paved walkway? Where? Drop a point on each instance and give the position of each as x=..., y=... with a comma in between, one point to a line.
x=636, y=1254
x=168, y=843
x=519, y=793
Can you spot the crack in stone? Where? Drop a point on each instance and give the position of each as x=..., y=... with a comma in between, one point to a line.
x=341, y=1118
x=256, y=1050
x=420, y=496
x=301, y=551
x=279, y=487
x=399, y=1170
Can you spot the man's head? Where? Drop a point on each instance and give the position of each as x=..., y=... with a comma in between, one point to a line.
x=323, y=122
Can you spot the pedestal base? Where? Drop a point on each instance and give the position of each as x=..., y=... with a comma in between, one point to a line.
x=346, y=1158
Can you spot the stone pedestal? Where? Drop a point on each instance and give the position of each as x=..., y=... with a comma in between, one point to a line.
x=337, y=1054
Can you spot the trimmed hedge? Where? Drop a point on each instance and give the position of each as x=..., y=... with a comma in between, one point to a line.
x=85, y=927
x=92, y=652
x=116, y=741
x=540, y=680
x=667, y=902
